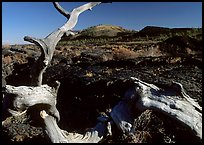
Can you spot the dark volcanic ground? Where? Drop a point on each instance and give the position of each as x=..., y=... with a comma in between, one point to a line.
x=95, y=76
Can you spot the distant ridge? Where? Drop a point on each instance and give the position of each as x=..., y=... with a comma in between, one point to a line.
x=157, y=31
x=107, y=30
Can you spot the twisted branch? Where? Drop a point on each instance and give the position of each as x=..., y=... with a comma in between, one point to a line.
x=61, y=10
x=48, y=44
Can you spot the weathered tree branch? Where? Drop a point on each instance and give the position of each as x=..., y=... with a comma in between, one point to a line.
x=69, y=25
x=61, y=10
x=19, y=99
x=173, y=102
x=57, y=135
x=23, y=97
x=48, y=44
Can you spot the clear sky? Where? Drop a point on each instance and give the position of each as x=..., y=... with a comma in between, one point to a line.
x=38, y=19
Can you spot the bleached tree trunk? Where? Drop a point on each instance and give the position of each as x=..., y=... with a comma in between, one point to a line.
x=174, y=102
x=93, y=135
x=48, y=44
x=24, y=97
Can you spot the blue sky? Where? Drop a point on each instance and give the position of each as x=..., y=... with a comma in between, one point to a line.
x=38, y=19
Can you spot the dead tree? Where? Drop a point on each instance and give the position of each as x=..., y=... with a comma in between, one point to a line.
x=48, y=44
x=23, y=97
x=173, y=102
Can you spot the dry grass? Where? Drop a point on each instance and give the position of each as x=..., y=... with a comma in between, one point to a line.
x=109, y=28
x=19, y=58
x=123, y=53
x=89, y=74
x=6, y=46
x=7, y=60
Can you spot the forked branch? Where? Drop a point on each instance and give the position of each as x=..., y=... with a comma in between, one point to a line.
x=61, y=10
x=48, y=44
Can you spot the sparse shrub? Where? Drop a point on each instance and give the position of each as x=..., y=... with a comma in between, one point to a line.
x=7, y=60
x=123, y=53
x=6, y=46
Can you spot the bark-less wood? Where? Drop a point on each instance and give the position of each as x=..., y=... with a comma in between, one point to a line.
x=23, y=97
x=48, y=44
x=57, y=135
x=173, y=102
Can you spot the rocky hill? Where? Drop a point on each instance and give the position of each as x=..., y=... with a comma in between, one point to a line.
x=103, y=30
x=121, y=34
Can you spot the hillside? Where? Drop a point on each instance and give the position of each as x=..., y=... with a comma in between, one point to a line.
x=100, y=31
x=118, y=33
x=154, y=31
x=103, y=30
